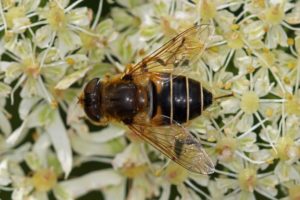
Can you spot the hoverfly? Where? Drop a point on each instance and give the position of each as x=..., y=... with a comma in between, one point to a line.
x=155, y=101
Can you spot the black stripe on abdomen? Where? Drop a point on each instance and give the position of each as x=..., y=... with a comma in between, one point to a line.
x=194, y=98
x=197, y=96
x=163, y=100
x=180, y=99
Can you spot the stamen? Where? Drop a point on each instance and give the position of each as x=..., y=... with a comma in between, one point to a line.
x=265, y=129
x=2, y=16
x=251, y=129
x=98, y=15
x=264, y=193
x=226, y=173
x=73, y=5
x=189, y=183
x=20, y=81
x=242, y=155
x=289, y=26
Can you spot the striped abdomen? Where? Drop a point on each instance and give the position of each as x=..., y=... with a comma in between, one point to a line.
x=179, y=98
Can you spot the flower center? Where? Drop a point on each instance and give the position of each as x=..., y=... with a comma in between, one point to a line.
x=250, y=102
x=247, y=179
x=31, y=68
x=292, y=106
x=131, y=170
x=235, y=40
x=90, y=42
x=176, y=174
x=286, y=149
x=56, y=17
x=14, y=13
x=274, y=15
x=44, y=180
x=208, y=10
x=268, y=58
x=225, y=148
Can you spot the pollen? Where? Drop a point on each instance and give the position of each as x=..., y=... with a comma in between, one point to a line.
x=291, y=64
x=220, y=84
x=259, y=3
x=269, y=112
x=250, y=102
x=270, y=161
x=211, y=139
x=227, y=85
x=54, y=104
x=132, y=171
x=214, y=49
x=290, y=41
x=235, y=27
x=287, y=80
x=70, y=61
x=247, y=179
x=268, y=58
x=250, y=69
x=44, y=180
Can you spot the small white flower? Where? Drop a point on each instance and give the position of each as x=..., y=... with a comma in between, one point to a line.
x=63, y=22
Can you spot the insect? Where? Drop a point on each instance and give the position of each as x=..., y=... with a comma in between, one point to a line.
x=154, y=99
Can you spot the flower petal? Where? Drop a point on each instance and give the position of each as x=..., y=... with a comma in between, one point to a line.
x=268, y=185
x=70, y=79
x=4, y=89
x=16, y=136
x=88, y=148
x=31, y=5
x=91, y=181
x=26, y=105
x=5, y=126
x=4, y=174
x=107, y=134
x=59, y=137
x=286, y=172
x=79, y=16
x=43, y=36
x=245, y=123
x=67, y=41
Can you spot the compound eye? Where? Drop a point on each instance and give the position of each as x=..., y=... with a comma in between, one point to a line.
x=92, y=100
x=91, y=86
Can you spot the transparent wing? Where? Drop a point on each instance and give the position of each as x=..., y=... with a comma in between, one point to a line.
x=180, y=51
x=178, y=144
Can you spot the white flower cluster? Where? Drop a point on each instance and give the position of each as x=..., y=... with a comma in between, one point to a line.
x=49, y=49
